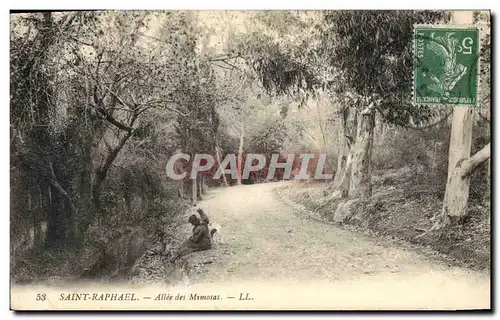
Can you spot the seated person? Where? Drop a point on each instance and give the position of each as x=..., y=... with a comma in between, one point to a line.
x=200, y=240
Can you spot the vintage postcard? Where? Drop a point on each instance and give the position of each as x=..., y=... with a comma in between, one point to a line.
x=250, y=160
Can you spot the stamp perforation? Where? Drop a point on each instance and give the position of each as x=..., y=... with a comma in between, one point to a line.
x=451, y=27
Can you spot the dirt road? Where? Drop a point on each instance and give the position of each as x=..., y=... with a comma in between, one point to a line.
x=269, y=248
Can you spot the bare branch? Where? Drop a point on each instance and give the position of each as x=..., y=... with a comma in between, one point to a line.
x=103, y=170
x=477, y=159
x=120, y=100
x=122, y=109
x=105, y=115
x=55, y=183
x=108, y=146
x=223, y=67
x=81, y=41
x=162, y=103
x=224, y=58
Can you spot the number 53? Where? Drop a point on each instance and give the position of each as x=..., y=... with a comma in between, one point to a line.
x=40, y=297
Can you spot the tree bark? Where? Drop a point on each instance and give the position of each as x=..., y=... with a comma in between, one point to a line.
x=217, y=158
x=322, y=128
x=58, y=227
x=360, y=185
x=487, y=195
x=102, y=172
x=215, y=132
x=200, y=187
x=455, y=204
x=461, y=137
x=240, y=155
x=457, y=186
x=85, y=189
x=180, y=190
x=194, y=183
x=203, y=185
x=194, y=193
x=346, y=141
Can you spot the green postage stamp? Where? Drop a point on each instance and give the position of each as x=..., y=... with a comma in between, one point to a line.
x=446, y=65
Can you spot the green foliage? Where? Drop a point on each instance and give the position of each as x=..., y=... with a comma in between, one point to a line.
x=283, y=71
x=363, y=53
x=371, y=52
x=270, y=138
x=92, y=92
x=283, y=58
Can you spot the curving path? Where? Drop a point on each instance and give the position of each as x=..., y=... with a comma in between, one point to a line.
x=289, y=262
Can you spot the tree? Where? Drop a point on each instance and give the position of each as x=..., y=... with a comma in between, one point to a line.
x=244, y=116
x=363, y=57
x=33, y=145
x=131, y=73
x=460, y=163
x=370, y=52
x=82, y=87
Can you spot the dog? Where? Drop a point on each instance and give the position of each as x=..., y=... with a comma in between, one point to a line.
x=215, y=233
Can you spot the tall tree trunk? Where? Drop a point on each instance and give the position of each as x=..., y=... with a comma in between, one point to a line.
x=58, y=227
x=85, y=190
x=102, y=172
x=360, y=184
x=487, y=194
x=194, y=189
x=240, y=155
x=461, y=137
x=203, y=185
x=217, y=158
x=342, y=149
x=194, y=181
x=180, y=189
x=322, y=128
x=382, y=132
x=200, y=187
x=457, y=186
x=215, y=132
x=347, y=138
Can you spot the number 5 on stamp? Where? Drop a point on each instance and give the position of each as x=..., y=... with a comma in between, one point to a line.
x=446, y=65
